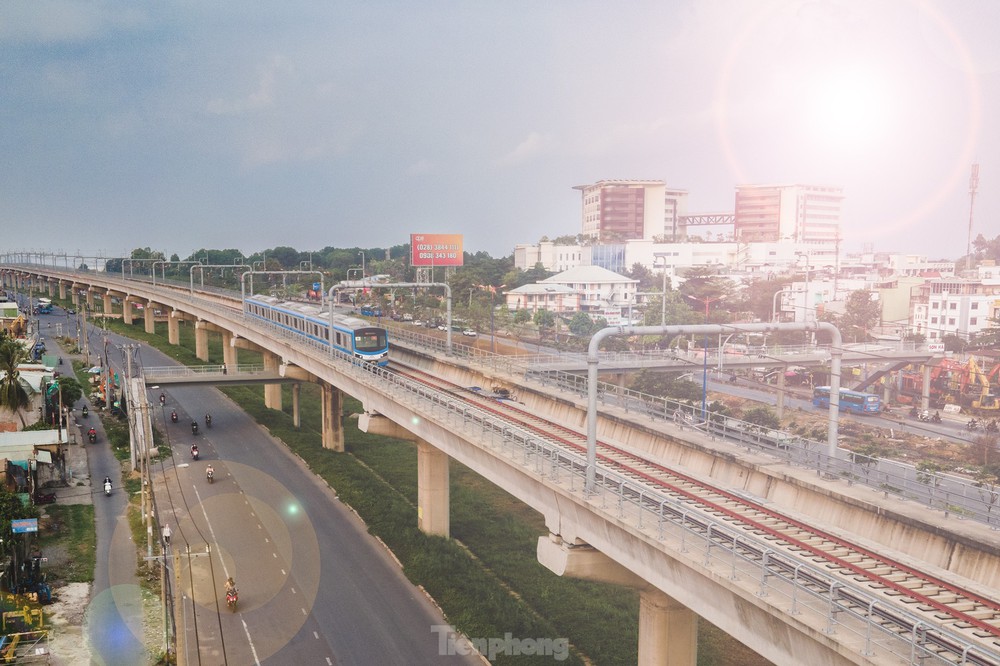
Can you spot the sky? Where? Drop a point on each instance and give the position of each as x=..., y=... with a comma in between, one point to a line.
x=181, y=125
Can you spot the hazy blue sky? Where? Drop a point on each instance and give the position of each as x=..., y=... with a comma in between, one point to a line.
x=186, y=124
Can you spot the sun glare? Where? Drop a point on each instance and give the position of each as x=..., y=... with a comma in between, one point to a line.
x=848, y=110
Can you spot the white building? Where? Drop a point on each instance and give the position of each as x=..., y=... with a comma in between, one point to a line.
x=631, y=209
x=953, y=306
x=591, y=289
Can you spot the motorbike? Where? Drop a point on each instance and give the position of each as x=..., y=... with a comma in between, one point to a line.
x=210, y=475
x=732, y=379
x=163, y=399
x=107, y=488
x=194, y=452
x=924, y=416
x=173, y=417
x=232, y=596
x=92, y=437
x=973, y=424
x=935, y=418
x=44, y=498
x=208, y=420
x=914, y=412
x=85, y=412
x=194, y=427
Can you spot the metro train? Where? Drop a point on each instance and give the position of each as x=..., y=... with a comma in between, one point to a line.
x=351, y=335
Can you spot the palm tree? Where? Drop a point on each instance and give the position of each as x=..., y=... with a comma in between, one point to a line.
x=13, y=395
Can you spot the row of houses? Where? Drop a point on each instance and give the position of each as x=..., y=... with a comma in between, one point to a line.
x=913, y=300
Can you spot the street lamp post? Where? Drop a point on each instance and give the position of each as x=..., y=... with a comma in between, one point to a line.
x=704, y=369
x=805, y=309
x=362, y=265
x=663, y=294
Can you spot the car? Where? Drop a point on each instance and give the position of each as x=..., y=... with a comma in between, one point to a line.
x=417, y=322
x=469, y=332
x=70, y=311
x=442, y=327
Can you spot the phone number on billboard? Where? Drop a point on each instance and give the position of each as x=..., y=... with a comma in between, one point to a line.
x=437, y=255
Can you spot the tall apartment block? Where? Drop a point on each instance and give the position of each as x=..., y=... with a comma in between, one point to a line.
x=619, y=210
x=798, y=213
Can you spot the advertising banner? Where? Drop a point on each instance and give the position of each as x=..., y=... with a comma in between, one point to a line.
x=436, y=249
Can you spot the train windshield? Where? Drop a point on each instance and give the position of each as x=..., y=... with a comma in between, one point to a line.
x=369, y=339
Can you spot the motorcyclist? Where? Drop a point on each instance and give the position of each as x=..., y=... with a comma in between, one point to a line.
x=208, y=420
x=209, y=472
x=85, y=411
x=936, y=418
x=173, y=416
x=230, y=585
x=194, y=451
x=92, y=434
x=107, y=485
x=163, y=398
x=194, y=427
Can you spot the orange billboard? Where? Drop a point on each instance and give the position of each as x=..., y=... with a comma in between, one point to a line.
x=435, y=249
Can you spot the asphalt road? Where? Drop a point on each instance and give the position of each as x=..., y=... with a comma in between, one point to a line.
x=314, y=586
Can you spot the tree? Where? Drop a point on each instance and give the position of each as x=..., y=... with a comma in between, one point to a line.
x=13, y=395
x=862, y=311
x=69, y=390
x=581, y=324
x=544, y=319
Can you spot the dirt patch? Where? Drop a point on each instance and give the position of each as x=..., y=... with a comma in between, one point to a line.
x=67, y=642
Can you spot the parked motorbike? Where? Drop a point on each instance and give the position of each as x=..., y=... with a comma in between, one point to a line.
x=914, y=412
x=973, y=424
x=924, y=416
x=173, y=417
x=44, y=498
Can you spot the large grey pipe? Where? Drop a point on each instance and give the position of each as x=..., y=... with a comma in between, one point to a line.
x=836, y=355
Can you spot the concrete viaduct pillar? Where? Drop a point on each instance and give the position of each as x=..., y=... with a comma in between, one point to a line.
x=127, y=310
x=149, y=317
x=668, y=630
x=174, y=327
x=433, y=475
x=106, y=303
x=296, y=419
x=272, y=392
x=333, y=424
x=62, y=291
x=50, y=287
x=230, y=352
x=925, y=391
x=433, y=492
x=781, y=393
x=90, y=300
x=201, y=341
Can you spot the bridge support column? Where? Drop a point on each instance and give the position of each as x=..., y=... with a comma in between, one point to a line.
x=668, y=631
x=173, y=328
x=925, y=390
x=74, y=297
x=149, y=319
x=50, y=288
x=127, y=310
x=296, y=420
x=333, y=409
x=201, y=343
x=90, y=300
x=780, y=407
x=272, y=392
x=230, y=354
x=106, y=303
x=433, y=498
x=62, y=291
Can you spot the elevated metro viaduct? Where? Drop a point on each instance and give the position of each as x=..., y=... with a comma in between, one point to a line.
x=584, y=539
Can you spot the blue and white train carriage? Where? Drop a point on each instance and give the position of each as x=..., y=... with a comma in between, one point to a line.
x=350, y=335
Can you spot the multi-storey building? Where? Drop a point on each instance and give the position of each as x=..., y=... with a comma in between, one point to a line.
x=621, y=210
x=798, y=213
x=953, y=307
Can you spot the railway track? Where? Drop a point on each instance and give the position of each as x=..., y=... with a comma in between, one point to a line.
x=912, y=601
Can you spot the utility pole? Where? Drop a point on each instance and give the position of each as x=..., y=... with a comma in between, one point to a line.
x=973, y=186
